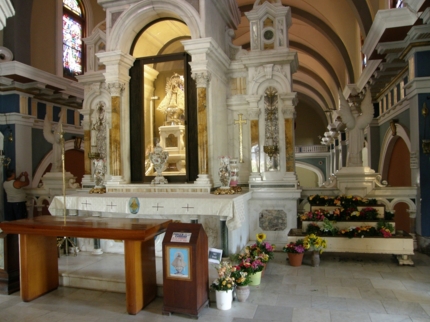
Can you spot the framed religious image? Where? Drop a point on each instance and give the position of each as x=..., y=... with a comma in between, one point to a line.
x=178, y=259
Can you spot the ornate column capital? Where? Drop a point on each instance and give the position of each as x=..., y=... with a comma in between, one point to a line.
x=116, y=88
x=288, y=112
x=202, y=78
x=253, y=113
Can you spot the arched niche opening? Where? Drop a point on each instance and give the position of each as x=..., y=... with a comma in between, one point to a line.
x=163, y=103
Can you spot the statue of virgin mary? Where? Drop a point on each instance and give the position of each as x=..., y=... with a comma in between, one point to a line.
x=173, y=103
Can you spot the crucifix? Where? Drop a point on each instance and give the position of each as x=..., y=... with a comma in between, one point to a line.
x=240, y=122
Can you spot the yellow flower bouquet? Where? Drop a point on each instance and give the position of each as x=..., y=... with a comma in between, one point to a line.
x=315, y=243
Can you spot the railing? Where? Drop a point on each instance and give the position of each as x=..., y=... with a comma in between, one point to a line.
x=312, y=149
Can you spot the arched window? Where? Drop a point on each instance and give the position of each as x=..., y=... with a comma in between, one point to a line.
x=73, y=32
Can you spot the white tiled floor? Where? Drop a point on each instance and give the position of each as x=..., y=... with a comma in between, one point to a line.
x=351, y=288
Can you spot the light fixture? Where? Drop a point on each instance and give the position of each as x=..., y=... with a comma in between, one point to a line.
x=425, y=143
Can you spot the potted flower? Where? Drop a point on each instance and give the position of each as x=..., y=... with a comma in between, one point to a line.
x=315, y=244
x=224, y=286
x=295, y=251
x=253, y=266
x=242, y=280
x=261, y=248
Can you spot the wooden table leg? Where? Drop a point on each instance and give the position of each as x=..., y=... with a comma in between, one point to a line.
x=140, y=274
x=38, y=265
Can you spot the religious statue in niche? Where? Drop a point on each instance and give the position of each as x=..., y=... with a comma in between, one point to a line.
x=98, y=147
x=173, y=104
x=356, y=121
x=99, y=129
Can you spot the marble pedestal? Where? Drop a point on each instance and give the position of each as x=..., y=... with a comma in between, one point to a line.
x=273, y=212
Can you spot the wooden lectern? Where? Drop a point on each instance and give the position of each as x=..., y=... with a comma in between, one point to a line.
x=185, y=269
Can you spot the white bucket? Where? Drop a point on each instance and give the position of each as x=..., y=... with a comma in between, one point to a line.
x=224, y=299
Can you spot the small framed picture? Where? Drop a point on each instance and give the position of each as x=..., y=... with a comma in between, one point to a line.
x=215, y=255
x=178, y=259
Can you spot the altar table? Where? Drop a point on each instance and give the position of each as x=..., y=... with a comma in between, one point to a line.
x=39, y=261
x=228, y=207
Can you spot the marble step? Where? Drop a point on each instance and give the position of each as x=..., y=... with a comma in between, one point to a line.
x=104, y=272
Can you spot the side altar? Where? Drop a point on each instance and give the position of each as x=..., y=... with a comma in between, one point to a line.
x=224, y=217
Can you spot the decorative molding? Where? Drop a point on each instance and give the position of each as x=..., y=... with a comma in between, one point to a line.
x=6, y=11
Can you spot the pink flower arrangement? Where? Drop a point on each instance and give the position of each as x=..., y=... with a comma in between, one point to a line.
x=385, y=232
x=295, y=247
x=250, y=266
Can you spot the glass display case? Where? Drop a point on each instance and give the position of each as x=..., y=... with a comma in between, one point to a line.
x=163, y=111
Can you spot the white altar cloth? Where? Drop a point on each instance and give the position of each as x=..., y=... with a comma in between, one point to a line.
x=228, y=207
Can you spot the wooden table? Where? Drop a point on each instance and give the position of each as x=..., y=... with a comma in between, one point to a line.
x=39, y=261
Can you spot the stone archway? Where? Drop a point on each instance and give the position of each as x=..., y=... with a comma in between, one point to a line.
x=131, y=21
x=388, y=146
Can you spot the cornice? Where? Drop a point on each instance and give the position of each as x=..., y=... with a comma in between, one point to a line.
x=207, y=56
x=384, y=19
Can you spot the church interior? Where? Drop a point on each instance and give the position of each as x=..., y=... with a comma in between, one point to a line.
x=242, y=116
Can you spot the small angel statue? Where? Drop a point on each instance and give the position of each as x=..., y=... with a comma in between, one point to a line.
x=355, y=123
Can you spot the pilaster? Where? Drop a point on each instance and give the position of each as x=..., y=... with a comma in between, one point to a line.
x=117, y=79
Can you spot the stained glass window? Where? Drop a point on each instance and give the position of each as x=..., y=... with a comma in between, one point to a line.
x=73, y=26
x=73, y=5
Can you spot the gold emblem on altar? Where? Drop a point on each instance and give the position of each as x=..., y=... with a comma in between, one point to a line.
x=134, y=205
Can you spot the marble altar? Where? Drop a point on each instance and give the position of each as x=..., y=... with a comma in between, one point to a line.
x=213, y=211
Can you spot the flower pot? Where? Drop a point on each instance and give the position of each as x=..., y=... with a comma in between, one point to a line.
x=255, y=279
x=224, y=299
x=315, y=259
x=295, y=259
x=242, y=293
x=264, y=269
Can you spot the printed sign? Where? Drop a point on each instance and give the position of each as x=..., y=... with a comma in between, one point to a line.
x=215, y=255
x=181, y=237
